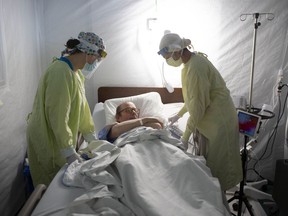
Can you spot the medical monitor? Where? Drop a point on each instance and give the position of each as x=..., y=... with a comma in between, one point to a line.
x=248, y=123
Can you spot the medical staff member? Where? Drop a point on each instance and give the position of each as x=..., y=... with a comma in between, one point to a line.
x=212, y=113
x=60, y=108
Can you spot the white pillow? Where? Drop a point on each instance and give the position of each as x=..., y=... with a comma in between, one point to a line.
x=99, y=117
x=150, y=105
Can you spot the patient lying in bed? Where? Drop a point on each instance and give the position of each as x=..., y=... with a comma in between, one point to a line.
x=127, y=118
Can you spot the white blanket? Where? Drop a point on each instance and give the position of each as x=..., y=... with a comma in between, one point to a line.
x=149, y=176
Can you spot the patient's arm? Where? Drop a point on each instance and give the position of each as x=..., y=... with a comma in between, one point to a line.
x=152, y=122
x=125, y=126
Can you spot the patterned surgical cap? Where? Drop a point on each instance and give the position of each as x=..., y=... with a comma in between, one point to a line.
x=90, y=43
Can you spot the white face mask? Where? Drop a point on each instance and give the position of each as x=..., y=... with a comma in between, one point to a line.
x=89, y=69
x=175, y=63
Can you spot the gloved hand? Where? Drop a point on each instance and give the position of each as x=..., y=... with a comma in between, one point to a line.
x=90, y=137
x=70, y=159
x=173, y=119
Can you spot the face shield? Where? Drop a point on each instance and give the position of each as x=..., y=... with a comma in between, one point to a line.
x=91, y=44
x=163, y=52
x=89, y=69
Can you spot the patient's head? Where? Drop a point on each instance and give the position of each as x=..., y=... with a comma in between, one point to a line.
x=126, y=111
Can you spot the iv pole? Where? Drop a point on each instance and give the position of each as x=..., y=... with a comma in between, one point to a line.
x=240, y=194
x=256, y=25
x=256, y=16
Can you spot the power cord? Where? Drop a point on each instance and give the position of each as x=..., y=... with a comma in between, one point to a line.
x=273, y=135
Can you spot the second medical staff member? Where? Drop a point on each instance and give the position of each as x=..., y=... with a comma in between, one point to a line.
x=60, y=108
x=212, y=113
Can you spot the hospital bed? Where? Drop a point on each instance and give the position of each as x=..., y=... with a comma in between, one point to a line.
x=144, y=172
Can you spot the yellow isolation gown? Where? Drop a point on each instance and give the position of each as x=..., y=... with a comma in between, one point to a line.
x=59, y=112
x=213, y=114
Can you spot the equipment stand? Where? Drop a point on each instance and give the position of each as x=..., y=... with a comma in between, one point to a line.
x=240, y=194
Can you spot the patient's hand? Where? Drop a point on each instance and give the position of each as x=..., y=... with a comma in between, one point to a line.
x=153, y=122
x=154, y=125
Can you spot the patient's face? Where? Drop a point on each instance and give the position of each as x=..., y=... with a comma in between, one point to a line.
x=127, y=111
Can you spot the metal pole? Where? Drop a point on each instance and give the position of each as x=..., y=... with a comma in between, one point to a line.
x=256, y=24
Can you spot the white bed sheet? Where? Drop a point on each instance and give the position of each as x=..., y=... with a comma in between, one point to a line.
x=157, y=178
x=160, y=179
x=57, y=197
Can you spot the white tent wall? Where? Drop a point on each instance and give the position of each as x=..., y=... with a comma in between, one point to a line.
x=22, y=69
x=32, y=33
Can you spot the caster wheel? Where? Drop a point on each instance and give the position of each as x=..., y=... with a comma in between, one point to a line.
x=235, y=206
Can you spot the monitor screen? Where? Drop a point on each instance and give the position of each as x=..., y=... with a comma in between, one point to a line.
x=248, y=123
